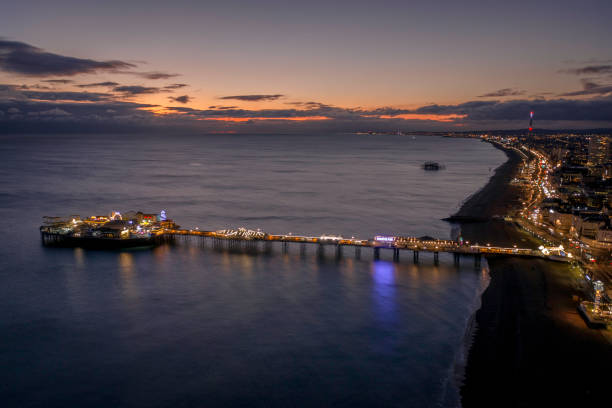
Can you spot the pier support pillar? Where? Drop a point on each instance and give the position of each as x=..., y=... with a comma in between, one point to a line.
x=302, y=249
x=320, y=251
x=415, y=257
x=268, y=247
x=436, y=258
x=357, y=252
x=376, y=254
x=338, y=251
x=456, y=258
x=395, y=255
x=285, y=247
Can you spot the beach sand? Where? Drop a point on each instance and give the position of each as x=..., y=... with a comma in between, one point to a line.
x=531, y=348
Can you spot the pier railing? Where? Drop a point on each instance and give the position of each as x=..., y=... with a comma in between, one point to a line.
x=398, y=243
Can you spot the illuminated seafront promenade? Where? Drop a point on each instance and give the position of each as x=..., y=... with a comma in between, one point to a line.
x=140, y=229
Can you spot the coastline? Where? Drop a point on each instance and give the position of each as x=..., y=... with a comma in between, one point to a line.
x=528, y=346
x=497, y=197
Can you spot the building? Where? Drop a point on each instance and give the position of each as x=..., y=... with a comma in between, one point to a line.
x=146, y=218
x=562, y=221
x=604, y=234
x=599, y=149
x=588, y=225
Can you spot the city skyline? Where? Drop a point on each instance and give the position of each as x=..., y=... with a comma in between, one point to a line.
x=289, y=67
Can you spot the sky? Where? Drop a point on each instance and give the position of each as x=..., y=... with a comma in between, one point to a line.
x=288, y=66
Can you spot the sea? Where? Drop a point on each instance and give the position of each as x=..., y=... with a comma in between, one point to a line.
x=188, y=325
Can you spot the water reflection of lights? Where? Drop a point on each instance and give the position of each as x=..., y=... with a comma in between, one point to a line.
x=247, y=264
x=126, y=270
x=161, y=252
x=126, y=262
x=383, y=274
x=79, y=256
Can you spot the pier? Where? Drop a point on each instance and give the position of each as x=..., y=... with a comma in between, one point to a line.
x=247, y=241
x=140, y=229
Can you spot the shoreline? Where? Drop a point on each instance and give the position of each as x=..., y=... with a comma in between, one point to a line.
x=474, y=216
x=496, y=198
x=528, y=345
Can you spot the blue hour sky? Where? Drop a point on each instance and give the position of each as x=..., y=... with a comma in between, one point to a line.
x=285, y=66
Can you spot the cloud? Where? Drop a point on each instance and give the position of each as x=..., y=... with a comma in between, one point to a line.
x=67, y=96
x=175, y=86
x=55, y=112
x=180, y=99
x=502, y=93
x=48, y=111
x=221, y=107
x=53, y=116
x=599, y=90
x=596, y=109
x=590, y=87
x=13, y=92
x=231, y=112
x=98, y=84
x=541, y=95
x=589, y=70
x=149, y=75
x=131, y=90
x=156, y=75
x=253, y=98
x=58, y=81
x=309, y=105
x=35, y=86
x=588, y=61
x=24, y=59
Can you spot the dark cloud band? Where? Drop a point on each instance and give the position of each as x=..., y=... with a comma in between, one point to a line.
x=131, y=90
x=24, y=59
x=500, y=93
x=98, y=84
x=180, y=99
x=590, y=70
x=253, y=98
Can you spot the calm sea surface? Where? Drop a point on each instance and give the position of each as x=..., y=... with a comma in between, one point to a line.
x=183, y=325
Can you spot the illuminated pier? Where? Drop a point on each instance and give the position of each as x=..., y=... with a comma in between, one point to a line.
x=239, y=239
x=140, y=229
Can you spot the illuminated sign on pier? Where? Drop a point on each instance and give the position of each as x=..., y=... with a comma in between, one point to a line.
x=383, y=238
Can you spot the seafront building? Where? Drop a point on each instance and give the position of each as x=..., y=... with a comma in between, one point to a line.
x=567, y=183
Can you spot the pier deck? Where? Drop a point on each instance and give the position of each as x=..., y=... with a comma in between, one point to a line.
x=392, y=243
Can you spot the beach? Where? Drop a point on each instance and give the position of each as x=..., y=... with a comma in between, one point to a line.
x=530, y=346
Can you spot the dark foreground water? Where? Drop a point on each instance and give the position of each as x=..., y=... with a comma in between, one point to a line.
x=188, y=326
